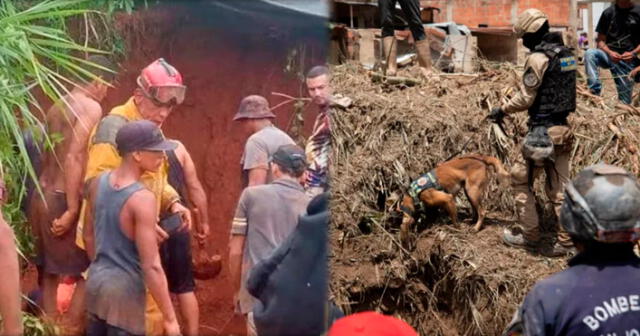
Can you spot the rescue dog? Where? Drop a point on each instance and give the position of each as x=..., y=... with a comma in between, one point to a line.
x=439, y=187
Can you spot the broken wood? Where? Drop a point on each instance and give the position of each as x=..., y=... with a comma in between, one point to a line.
x=394, y=80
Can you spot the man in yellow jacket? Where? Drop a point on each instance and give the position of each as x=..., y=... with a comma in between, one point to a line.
x=159, y=90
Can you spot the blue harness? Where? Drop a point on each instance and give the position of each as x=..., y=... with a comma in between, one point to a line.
x=424, y=182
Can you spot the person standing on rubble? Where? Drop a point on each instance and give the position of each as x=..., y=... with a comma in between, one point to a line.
x=318, y=146
x=548, y=92
x=255, y=115
x=598, y=293
x=411, y=9
x=618, y=45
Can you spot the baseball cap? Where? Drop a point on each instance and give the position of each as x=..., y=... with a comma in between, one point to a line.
x=142, y=135
x=291, y=157
x=371, y=323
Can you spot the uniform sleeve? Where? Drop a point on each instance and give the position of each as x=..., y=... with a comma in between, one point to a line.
x=239, y=225
x=169, y=196
x=535, y=66
x=255, y=155
x=529, y=319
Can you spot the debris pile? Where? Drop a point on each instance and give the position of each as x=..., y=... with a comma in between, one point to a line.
x=453, y=281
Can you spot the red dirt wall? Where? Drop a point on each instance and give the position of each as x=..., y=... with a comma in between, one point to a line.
x=224, y=52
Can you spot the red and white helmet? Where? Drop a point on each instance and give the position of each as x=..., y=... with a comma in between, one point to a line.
x=162, y=83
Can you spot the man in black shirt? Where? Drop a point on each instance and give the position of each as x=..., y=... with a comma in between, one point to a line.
x=618, y=44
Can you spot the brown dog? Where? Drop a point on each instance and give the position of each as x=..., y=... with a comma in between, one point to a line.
x=439, y=187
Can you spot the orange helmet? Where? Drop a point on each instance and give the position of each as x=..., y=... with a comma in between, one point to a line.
x=162, y=83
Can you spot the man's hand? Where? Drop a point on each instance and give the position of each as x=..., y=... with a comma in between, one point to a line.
x=496, y=114
x=171, y=328
x=627, y=56
x=185, y=214
x=62, y=224
x=202, y=226
x=161, y=234
x=615, y=57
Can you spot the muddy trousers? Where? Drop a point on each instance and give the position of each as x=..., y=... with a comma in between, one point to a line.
x=556, y=178
x=411, y=9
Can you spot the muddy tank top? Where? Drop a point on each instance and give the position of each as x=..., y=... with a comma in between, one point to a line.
x=115, y=286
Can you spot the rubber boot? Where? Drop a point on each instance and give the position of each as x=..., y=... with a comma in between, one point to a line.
x=390, y=50
x=424, y=57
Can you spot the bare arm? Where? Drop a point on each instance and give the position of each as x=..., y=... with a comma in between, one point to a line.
x=257, y=176
x=236, y=248
x=196, y=192
x=74, y=165
x=236, y=242
x=76, y=160
x=601, y=41
x=144, y=209
x=9, y=282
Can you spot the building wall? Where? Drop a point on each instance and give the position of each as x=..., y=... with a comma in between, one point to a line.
x=497, y=13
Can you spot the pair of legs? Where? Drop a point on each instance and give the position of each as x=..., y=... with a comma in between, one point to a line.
x=556, y=178
x=595, y=59
x=176, y=260
x=411, y=9
x=57, y=256
x=73, y=320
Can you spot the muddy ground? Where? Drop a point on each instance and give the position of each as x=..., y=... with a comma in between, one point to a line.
x=451, y=281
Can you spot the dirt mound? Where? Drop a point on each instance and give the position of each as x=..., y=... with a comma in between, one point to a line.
x=453, y=281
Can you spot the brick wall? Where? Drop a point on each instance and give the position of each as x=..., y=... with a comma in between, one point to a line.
x=497, y=13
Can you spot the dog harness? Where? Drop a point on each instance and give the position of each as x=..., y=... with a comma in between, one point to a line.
x=424, y=182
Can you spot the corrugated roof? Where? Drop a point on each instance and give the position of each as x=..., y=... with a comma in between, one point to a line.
x=311, y=7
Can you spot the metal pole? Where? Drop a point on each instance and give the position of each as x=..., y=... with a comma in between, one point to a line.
x=573, y=17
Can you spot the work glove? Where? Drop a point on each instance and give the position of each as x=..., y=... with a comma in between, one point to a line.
x=496, y=114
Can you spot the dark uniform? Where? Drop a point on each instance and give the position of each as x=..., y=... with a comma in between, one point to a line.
x=597, y=295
